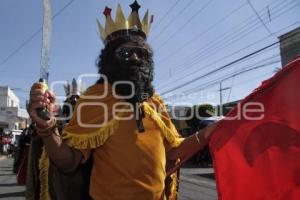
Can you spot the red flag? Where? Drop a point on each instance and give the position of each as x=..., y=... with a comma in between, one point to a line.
x=257, y=153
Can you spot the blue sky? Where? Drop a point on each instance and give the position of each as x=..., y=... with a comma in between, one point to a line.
x=196, y=37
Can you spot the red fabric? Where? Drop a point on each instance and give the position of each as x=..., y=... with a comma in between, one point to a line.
x=260, y=159
x=22, y=171
x=5, y=140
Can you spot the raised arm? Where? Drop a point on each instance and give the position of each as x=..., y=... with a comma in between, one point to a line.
x=65, y=158
x=192, y=144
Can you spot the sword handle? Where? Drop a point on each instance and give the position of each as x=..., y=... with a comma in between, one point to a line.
x=42, y=112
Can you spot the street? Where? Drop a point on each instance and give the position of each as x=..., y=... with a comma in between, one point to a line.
x=195, y=183
x=9, y=189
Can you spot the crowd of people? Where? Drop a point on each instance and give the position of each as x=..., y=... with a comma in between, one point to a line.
x=7, y=146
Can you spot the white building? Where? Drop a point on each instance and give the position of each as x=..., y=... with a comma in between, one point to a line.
x=11, y=115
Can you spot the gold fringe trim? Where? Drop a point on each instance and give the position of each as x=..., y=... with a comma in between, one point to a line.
x=44, y=171
x=167, y=132
x=157, y=97
x=173, y=189
x=92, y=139
x=174, y=183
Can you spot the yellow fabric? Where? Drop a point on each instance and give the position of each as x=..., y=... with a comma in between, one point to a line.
x=128, y=165
x=174, y=185
x=89, y=111
x=88, y=137
x=44, y=169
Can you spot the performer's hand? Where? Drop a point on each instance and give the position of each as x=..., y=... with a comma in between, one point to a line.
x=41, y=99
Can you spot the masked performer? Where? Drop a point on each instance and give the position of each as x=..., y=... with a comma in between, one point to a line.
x=119, y=121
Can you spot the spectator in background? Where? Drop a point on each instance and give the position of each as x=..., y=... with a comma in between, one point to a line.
x=5, y=142
x=21, y=146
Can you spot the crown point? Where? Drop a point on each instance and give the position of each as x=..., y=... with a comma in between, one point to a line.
x=107, y=11
x=135, y=6
x=120, y=23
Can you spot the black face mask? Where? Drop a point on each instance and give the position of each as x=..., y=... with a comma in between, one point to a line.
x=138, y=71
x=132, y=63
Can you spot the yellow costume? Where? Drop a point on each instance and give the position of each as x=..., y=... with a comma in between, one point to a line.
x=128, y=165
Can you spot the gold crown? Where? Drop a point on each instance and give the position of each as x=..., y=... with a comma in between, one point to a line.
x=122, y=26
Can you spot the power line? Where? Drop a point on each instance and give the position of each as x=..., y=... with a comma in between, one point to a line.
x=218, y=69
x=221, y=35
x=233, y=78
x=224, y=57
x=258, y=16
x=217, y=45
x=187, y=22
x=233, y=38
x=166, y=14
x=226, y=65
x=172, y=21
x=269, y=49
x=238, y=84
x=21, y=46
x=201, y=33
x=248, y=81
x=236, y=51
x=233, y=75
x=14, y=52
x=206, y=53
x=222, y=79
x=266, y=61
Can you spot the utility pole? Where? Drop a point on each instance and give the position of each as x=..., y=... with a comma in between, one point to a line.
x=221, y=101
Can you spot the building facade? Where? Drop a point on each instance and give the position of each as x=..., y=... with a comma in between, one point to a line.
x=289, y=46
x=12, y=117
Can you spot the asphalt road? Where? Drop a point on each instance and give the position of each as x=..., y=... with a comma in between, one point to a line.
x=9, y=189
x=195, y=183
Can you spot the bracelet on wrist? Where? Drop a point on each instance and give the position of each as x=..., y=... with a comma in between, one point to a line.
x=197, y=138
